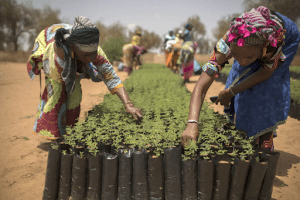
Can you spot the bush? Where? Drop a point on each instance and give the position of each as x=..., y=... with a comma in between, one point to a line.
x=113, y=48
x=295, y=90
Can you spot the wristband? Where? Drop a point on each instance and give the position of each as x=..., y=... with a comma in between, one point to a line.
x=128, y=102
x=192, y=121
x=230, y=89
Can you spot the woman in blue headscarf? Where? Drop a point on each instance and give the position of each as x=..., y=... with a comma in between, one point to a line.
x=263, y=44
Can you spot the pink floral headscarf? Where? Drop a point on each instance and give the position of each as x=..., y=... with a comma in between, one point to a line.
x=256, y=27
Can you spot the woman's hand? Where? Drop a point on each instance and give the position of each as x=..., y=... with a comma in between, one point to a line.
x=135, y=112
x=190, y=133
x=224, y=97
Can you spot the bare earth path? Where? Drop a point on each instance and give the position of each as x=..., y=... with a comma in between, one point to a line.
x=23, y=155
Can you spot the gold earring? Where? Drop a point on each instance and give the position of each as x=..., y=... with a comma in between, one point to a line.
x=72, y=54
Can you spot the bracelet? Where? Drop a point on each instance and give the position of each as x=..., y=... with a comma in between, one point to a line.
x=128, y=102
x=230, y=89
x=192, y=121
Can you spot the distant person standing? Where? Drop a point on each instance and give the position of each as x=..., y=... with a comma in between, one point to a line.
x=136, y=38
x=168, y=37
x=179, y=35
x=174, y=46
x=187, y=33
x=186, y=59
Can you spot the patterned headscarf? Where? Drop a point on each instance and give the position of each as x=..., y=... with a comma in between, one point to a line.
x=85, y=36
x=256, y=27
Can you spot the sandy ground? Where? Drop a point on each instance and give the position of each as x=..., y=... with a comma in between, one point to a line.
x=24, y=155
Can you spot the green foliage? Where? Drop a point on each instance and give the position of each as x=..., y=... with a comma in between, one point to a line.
x=226, y=69
x=54, y=146
x=295, y=69
x=81, y=154
x=113, y=48
x=164, y=101
x=64, y=152
x=295, y=90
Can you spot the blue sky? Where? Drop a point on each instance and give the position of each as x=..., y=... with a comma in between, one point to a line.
x=154, y=15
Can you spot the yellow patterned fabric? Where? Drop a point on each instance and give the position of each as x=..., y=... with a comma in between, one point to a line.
x=136, y=40
x=58, y=109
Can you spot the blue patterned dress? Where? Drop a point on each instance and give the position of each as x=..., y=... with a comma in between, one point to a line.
x=262, y=108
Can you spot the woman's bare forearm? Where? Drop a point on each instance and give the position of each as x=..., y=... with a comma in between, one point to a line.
x=198, y=95
x=255, y=78
x=123, y=95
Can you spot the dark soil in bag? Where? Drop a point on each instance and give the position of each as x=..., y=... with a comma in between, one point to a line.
x=156, y=177
x=298, y=112
x=267, y=185
x=94, y=180
x=254, y=181
x=52, y=175
x=205, y=178
x=189, y=179
x=239, y=172
x=222, y=177
x=125, y=175
x=79, y=178
x=172, y=162
x=110, y=177
x=140, y=172
x=65, y=177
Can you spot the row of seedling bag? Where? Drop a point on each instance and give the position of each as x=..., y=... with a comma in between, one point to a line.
x=139, y=174
x=111, y=156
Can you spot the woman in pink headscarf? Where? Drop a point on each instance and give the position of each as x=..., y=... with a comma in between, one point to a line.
x=263, y=44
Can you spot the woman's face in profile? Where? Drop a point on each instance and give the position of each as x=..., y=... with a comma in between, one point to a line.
x=245, y=55
x=85, y=57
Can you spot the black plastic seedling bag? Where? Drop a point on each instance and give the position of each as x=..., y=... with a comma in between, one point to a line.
x=79, y=175
x=65, y=177
x=94, y=179
x=239, y=172
x=156, y=177
x=110, y=177
x=189, y=179
x=222, y=177
x=172, y=161
x=267, y=185
x=140, y=172
x=206, y=172
x=255, y=177
x=125, y=175
x=52, y=175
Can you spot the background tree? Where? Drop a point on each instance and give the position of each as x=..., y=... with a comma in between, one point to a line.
x=113, y=48
x=223, y=27
x=204, y=46
x=289, y=8
x=16, y=19
x=43, y=18
x=148, y=39
x=116, y=30
x=102, y=30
